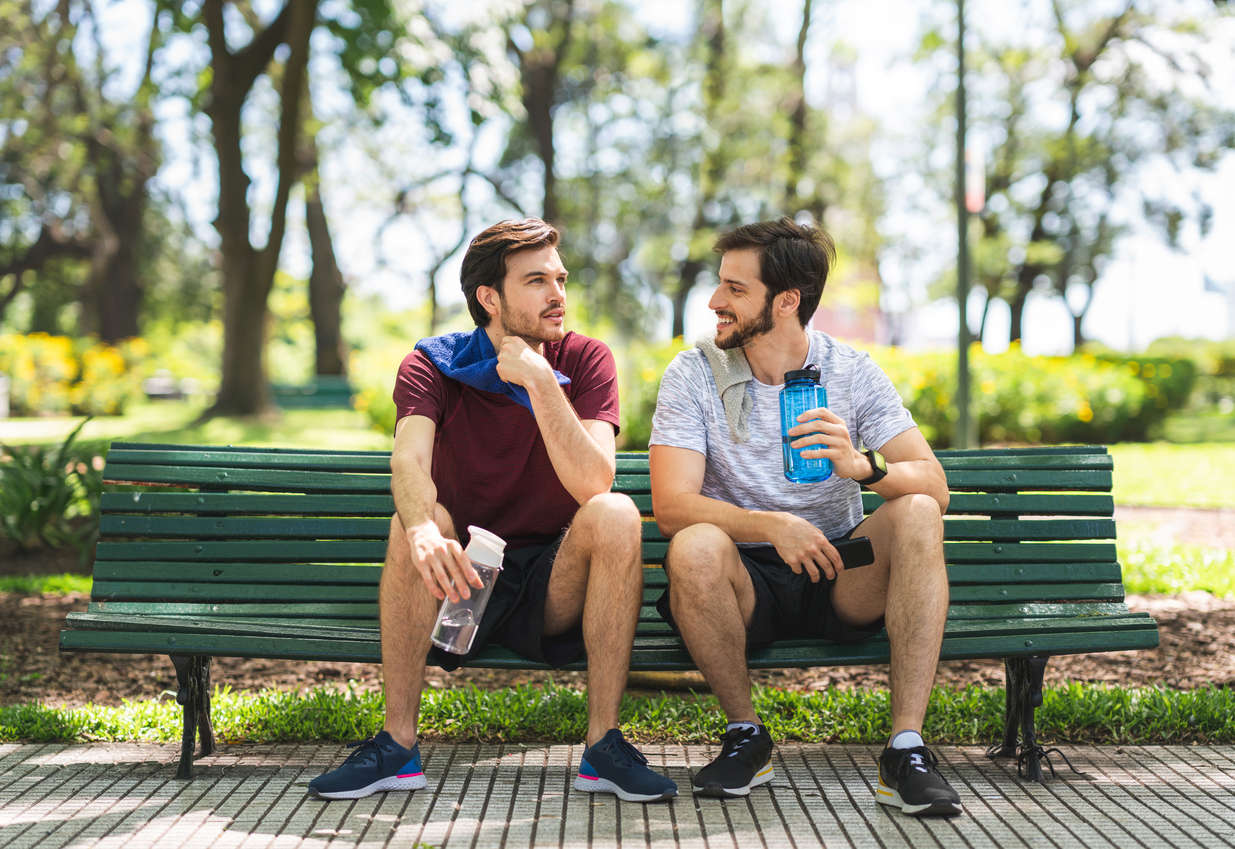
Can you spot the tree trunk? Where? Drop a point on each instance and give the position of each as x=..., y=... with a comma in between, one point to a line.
x=688, y=271
x=115, y=290
x=540, y=71
x=325, y=286
x=797, y=120
x=248, y=273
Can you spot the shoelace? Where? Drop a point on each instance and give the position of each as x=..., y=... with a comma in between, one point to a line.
x=364, y=748
x=920, y=759
x=733, y=741
x=626, y=754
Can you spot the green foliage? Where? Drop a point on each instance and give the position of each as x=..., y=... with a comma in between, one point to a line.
x=1151, y=567
x=50, y=495
x=1078, y=713
x=1016, y=398
x=56, y=374
x=640, y=366
x=65, y=583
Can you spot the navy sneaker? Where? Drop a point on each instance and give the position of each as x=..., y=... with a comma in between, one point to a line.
x=612, y=765
x=378, y=764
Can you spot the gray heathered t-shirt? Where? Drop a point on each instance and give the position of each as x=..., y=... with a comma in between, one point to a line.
x=751, y=474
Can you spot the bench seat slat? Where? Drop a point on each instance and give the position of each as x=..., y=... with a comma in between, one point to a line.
x=669, y=656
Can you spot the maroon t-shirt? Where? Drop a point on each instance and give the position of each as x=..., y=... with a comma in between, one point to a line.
x=490, y=464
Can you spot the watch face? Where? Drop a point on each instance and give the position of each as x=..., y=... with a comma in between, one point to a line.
x=878, y=462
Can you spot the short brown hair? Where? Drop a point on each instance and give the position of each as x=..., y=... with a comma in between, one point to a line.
x=791, y=256
x=484, y=264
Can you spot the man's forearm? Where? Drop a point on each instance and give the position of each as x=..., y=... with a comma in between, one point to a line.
x=908, y=477
x=414, y=492
x=584, y=467
x=689, y=508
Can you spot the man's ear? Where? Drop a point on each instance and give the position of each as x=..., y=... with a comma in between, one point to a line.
x=787, y=301
x=489, y=299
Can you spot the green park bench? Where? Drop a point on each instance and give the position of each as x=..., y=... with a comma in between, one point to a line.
x=272, y=553
x=323, y=391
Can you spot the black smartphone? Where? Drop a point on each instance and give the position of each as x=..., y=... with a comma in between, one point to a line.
x=855, y=552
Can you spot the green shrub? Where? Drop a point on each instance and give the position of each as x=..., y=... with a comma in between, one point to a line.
x=50, y=495
x=54, y=375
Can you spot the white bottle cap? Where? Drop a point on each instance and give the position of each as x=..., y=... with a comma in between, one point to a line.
x=485, y=547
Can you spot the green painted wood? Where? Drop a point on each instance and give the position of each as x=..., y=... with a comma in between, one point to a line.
x=242, y=503
x=1054, y=504
x=313, y=551
x=250, y=572
x=669, y=654
x=251, y=479
x=1113, y=591
x=984, y=479
x=220, y=527
x=231, y=458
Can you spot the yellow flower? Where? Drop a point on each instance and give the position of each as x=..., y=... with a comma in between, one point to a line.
x=1085, y=413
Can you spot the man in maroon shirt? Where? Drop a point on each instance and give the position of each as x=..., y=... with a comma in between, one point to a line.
x=510, y=428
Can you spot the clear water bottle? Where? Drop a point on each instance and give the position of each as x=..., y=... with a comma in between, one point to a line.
x=801, y=392
x=457, y=621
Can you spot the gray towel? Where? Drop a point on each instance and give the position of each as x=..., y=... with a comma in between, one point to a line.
x=731, y=372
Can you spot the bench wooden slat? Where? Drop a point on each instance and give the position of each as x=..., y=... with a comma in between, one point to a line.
x=668, y=655
x=376, y=528
x=367, y=611
x=161, y=574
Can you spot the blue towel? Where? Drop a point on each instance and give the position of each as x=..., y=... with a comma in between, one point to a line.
x=470, y=359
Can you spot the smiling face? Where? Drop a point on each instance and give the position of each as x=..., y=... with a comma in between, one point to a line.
x=741, y=303
x=532, y=300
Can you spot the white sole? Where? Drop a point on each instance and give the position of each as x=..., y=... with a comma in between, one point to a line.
x=763, y=776
x=885, y=795
x=410, y=782
x=604, y=785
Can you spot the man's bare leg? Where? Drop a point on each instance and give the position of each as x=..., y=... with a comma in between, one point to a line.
x=598, y=577
x=713, y=599
x=408, y=611
x=908, y=585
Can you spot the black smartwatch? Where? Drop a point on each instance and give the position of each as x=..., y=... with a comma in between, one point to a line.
x=879, y=467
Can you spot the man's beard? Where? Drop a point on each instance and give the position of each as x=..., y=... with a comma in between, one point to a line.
x=743, y=333
x=528, y=327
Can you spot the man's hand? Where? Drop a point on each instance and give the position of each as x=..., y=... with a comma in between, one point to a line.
x=519, y=363
x=823, y=428
x=443, y=566
x=804, y=547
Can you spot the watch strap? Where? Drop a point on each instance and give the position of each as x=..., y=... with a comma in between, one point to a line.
x=879, y=467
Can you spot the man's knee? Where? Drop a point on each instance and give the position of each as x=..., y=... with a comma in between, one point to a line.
x=610, y=517
x=915, y=514
x=697, y=554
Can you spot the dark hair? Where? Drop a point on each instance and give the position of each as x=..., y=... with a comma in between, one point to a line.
x=484, y=264
x=791, y=256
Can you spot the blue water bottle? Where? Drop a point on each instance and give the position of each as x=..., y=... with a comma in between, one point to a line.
x=801, y=392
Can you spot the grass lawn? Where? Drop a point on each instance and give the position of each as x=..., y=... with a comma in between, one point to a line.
x=1162, y=474
x=1076, y=712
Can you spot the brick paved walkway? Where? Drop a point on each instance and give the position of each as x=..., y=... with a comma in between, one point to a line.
x=519, y=795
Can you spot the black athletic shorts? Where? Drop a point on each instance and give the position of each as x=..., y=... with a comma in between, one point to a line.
x=515, y=614
x=787, y=604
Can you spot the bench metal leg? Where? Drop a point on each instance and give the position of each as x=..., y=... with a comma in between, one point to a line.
x=1024, y=693
x=193, y=678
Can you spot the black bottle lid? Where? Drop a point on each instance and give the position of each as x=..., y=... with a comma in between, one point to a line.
x=810, y=373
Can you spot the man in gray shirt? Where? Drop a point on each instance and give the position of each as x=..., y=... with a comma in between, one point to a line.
x=753, y=557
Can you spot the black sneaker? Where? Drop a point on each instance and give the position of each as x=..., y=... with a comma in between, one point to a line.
x=611, y=765
x=745, y=761
x=908, y=779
